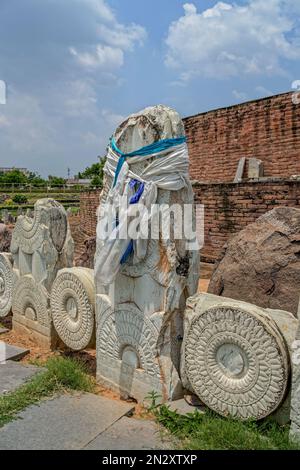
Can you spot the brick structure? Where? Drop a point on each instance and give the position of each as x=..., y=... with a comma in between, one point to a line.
x=229, y=207
x=267, y=129
x=89, y=202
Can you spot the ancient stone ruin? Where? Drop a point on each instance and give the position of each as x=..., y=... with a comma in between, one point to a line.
x=72, y=303
x=140, y=315
x=236, y=357
x=136, y=301
x=40, y=247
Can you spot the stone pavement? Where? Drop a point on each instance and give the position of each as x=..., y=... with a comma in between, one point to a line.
x=11, y=353
x=13, y=375
x=79, y=421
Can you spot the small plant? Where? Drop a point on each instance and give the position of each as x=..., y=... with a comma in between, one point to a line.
x=20, y=199
x=153, y=397
x=8, y=202
x=208, y=431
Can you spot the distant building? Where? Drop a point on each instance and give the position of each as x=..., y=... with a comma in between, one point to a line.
x=78, y=182
x=8, y=170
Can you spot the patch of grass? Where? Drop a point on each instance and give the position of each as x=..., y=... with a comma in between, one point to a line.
x=209, y=431
x=61, y=374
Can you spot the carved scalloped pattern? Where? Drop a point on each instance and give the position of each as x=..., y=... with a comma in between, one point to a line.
x=6, y=285
x=29, y=233
x=73, y=310
x=260, y=384
x=30, y=295
x=128, y=327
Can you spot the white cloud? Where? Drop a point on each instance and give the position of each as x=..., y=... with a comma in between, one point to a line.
x=230, y=40
x=114, y=39
x=240, y=95
x=104, y=57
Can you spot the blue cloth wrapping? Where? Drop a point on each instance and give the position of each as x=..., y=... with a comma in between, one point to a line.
x=156, y=147
x=134, y=200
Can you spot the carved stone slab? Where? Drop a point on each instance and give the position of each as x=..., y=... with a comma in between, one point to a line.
x=234, y=357
x=7, y=279
x=42, y=245
x=73, y=307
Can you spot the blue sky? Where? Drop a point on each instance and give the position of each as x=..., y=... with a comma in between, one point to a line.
x=75, y=68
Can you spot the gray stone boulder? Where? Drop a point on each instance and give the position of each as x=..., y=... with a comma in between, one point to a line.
x=261, y=263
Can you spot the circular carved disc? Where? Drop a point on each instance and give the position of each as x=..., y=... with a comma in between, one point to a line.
x=236, y=362
x=72, y=306
x=7, y=279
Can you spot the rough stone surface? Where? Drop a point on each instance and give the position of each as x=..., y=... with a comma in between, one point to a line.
x=3, y=331
x=139, y=318
x=262, y=262
x=64, y=423
x=240, y=170
x=73, y=307
x=14, y=374
x=234, y=357
x=131, y=434
x=11, y=353
x=255, y=168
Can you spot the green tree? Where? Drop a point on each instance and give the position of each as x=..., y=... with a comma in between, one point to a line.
x=95, y=173
x=56, y=181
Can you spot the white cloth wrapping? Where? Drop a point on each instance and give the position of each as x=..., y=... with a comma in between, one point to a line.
x=169, y=170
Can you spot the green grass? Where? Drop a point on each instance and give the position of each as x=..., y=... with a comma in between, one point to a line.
x=60, y=375
x=209, y=431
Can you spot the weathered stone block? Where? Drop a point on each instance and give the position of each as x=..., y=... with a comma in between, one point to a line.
x=235, y=356
x=73, y=307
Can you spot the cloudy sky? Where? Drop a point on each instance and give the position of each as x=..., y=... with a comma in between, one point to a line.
x=75, y=68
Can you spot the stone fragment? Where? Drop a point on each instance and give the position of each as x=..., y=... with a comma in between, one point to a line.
x=73, y=307
x=41, y=246
x=31, y=312
x=7, y=280
x=261, y=263
x=255, y=168
x=234, y=357
x=240, y=170
x=139, y=317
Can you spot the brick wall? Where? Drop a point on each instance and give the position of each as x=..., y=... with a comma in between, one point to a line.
x=89, y=202
x=267, y=129
x=230, y=207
